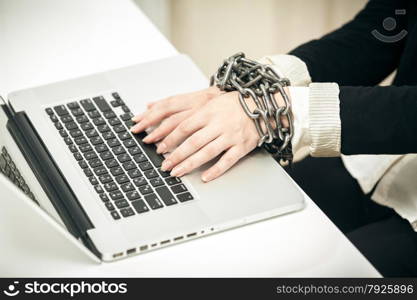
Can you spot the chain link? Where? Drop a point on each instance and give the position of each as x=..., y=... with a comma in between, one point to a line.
x=260, y=83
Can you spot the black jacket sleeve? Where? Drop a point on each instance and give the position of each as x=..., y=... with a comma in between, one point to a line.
x=378, y=120
x=351, y=55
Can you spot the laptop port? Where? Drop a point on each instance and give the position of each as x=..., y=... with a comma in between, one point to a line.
x=131, y=251
x=154, y=245
x=178, y=238
x=116, y=255
x=192, y=234
x=143, y=248
x=165, y=242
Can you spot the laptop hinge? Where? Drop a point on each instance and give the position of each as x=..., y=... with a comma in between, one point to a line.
x=50, y=177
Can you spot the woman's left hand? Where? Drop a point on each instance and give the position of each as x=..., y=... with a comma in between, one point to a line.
x=219, y=126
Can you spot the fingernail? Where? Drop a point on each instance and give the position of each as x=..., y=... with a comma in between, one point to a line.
x=177, y=171
x=137, y=118
x=161, y=148
x=206, y=177
x=147, y=139
x=166, y=165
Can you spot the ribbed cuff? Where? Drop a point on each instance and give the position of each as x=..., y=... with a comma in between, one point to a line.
x=289, y=66
x=324, y=125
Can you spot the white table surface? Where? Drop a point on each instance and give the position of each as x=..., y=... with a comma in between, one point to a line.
x=50, y=40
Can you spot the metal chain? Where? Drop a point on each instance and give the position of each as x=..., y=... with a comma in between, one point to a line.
x=260, y=83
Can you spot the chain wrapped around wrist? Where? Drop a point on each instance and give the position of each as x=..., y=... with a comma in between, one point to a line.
x=260, y=82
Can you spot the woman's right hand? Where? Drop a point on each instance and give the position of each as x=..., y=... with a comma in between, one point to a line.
x=171, y=111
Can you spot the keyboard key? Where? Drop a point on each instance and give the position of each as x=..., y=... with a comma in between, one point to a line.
x=106, y=155
x=82, y=119
x=113, y=143
x=90, y=155
x=94, y=163
x=120, y=150
x=166, y=196
x=134, y=173
x=119, y=128
x=77, y=112
x=109, y=114
x=111, y=163
x=87, y=126
x=185, y=197
x=127, y=116
x=61, y=110
x=172, y=180
x=140, y=206
x=73, y=105
x=129, y=143
x=63, y=133
x=116, y=195
x=87, y=104
x=71, y=126
x=94, y=114
x=122, y=179
x=67, y=119
x=76, y=133
x=68, y=141
x=140, y=181
x=108, y=135
x=111, y=186
x=91, y=133
x=133, y=195
x=124, y=135
x=135, y=150
x=129, y=165
x=150, y=149
x=49, y=111
x=114, y=103
x=80, y=140
x=92, y=179
x=105, y=178
x=98, y=189
x=145, y=189
x=101, y=148
x=121, y=203
x=116, y=171
x=140, y=158
x=127, y=187
x=58, y=125
x=96, y=140
x=153, y=201
x=114, y=121
x=99, y=121
x=103, y=128
x=100, y=171
x=123, y=157
x=150, y=173
x=88, y=172
x=179, y=188
x=127, y=212
x=116, y=96
x=85, y=148
x=102, y=103
x=83, y=164
x=115, y=215
x=125, y=109
x=54, y=118
x=110, y=206
x=164, y=173
x=129, y=124
x=156, y=182
x=78, y=156
x=104, y=198
x=145, y=166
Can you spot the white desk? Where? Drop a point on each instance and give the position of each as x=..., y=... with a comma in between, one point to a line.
x=51, y=40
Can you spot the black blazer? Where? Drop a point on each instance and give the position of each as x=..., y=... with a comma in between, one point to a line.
x=375, y=120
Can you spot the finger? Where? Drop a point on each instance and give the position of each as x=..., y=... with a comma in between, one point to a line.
x=190, y=146
x=185, y=129
x=228, y=159
x=167, y=126
x=205, y=154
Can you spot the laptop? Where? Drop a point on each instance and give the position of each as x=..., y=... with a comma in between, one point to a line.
x=68, y=147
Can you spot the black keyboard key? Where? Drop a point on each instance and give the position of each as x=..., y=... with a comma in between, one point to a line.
x=83, y=164
x=88, y=172
x=150, y=149
x=127, y=212
x=96, y=140
x=121, y=203
x=110, y=187
x=68, y=141
x=122, y=179
x=123, y=157
x=91, y=133
x=111, y=163
x=115, y=215
x=139, y=158
x=80, y=140
x=85, y=148
x=76, y=133
x=49, y=111
x=113, y=143
x=172, y=180
x=67, y=119
x=127, y=187
x=94, y=163
x=101, y=148
x=129, y=143
x=124, y=136
x=116, y=96
x=90, y=155
x=73, y=105
x=92, y=179
x=166, y=196
x=135, y=150
x=94, y=114
x=127, y=116
x=145, y=166
x=150, y=173
x=153, y=201
x=99, y=121
x=102, y=103
x=77, y=112
x=116, y=195
x=164, y=174
x=129, y=124
x=185, y=197
x=105, y=178
x=53, y=118
x=133, y=195
x=119, y=128
x=71, y=126
x=87, y=104
x=134, y=173
x=100, y=171
x=156, y=181
x=58, y=126
x=114, y=121
x=116, y=171
x=98, y=189
x=87, y=126
x=108, y=135
x=114, y=103
x=103, y=128
x=106, y=155
x=129, y=165
x=82, y=119
x=140, y=181
x=120, y=151
x=125, y=109
x=109, y=115
x=78, y=156
x=104, y=198
x=145, y=189
x=140, y=206
x=61, y=110
x=110, y=206
x=179, y=188
x=63, y=133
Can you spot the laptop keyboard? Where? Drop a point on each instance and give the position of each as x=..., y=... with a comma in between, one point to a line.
x=124, y=171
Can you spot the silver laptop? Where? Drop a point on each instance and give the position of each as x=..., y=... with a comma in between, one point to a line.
x=67, y=145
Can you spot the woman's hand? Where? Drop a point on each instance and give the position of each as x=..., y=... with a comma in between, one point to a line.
x=171, y=111
x=201, y=134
